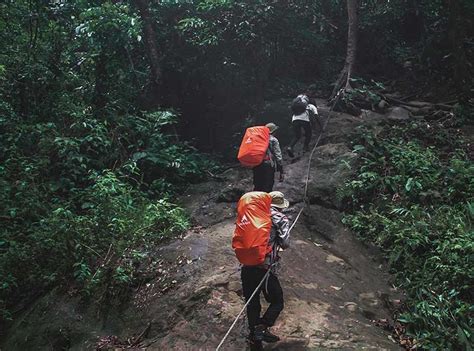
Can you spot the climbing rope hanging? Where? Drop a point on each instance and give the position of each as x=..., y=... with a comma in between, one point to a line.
x=336, y=99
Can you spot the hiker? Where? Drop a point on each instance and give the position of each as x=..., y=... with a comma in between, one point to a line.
x=303, y=111
x=264, y=173
x=256, y=261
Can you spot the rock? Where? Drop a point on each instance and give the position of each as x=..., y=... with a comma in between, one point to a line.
x=382, y=105
x=329, y=171
x=419, y=109
x=332, y=151
x=350, y=306
x=425, y=110
x=398, y=114
x=217, y=280
x=419, y=104
x=234, y=286
x=201, y=293
x=369, y=298
x=231, y=194
x=323, y=222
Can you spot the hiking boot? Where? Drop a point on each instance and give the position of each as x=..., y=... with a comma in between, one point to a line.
x=262, y=333
x=290, y=152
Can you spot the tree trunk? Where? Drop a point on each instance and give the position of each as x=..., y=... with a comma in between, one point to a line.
x=150, y=43
x=346, y=73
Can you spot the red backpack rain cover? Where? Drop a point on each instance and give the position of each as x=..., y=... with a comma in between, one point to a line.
x=252, y=228
x=254, y=146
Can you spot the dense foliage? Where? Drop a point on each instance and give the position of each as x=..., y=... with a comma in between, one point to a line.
x=223, y=58
x=413, y=197
x=85, y=174
x=103, y=105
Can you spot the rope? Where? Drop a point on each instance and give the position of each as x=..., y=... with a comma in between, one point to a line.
x=243, y=309
x=336, y=98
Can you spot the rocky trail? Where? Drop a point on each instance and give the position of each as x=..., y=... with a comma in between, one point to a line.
x=335, y=287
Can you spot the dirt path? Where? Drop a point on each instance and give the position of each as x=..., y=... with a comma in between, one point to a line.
x=334, y=286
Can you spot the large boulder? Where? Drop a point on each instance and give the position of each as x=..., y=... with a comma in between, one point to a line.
x=330, y=169
x=342, y=128
x=323, y=222
x=232, y=193
x=398, y=114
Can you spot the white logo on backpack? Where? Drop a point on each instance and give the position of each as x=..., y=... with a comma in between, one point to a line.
x=244, y=221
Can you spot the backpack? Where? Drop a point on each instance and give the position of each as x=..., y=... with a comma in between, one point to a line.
x=252, y=228
x=253, y=148
x=299, y=105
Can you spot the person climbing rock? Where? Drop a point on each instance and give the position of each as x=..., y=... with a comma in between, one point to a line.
x=303, y=113
x=264, y=173
x=252, y=275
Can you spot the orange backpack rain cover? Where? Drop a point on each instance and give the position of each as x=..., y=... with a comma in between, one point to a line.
x=252, y=228
x=254, y=146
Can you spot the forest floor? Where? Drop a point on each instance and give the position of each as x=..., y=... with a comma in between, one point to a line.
x=335, y=287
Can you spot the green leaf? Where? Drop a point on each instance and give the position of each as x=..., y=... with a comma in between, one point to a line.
x=358, y=148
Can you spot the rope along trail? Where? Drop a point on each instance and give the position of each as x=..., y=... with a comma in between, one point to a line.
x=336, y=98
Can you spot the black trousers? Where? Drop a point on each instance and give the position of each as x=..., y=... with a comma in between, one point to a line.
x=251, y=277
x=263, y=177
x=297, y=126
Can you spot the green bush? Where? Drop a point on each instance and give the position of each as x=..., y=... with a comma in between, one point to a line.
x=85, y=174
x=416, y=203
x=86, y=239
x=84, y=205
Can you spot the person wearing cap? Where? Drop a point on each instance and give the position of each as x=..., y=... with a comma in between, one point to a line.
x=264, y=173
x=272, y=291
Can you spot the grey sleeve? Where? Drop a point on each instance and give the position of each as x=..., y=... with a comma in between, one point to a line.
x=276, y=151
x=314, y=111
x=282, y=226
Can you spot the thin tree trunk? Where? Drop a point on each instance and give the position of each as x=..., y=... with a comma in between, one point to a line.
x=346, y=73
x=150, y=41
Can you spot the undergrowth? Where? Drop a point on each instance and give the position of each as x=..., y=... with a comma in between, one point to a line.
x=82, y=207
x=413, y=197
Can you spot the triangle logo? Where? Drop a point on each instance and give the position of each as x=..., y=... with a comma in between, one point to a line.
x=244, y=220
